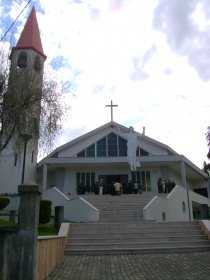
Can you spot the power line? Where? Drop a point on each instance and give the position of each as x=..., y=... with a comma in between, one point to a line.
x=14, y=21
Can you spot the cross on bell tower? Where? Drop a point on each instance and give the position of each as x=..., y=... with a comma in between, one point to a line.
x=111, y=106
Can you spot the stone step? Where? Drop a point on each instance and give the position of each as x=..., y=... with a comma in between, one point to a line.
x=119, y=208
x=134, y=234
x=122, y=210
x=113, y=220
x=120, y=216
x=108, y=199
x=122, y=230
x=135, y=239
x=113, y=228
x=133, y=231
x=144, y=224
x=119, y=203
x=148, y=250
x=139, y=243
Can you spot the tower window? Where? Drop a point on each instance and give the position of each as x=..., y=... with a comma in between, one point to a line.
x=22, y=60
x=15, y=161
x=37, y=64
x=32, y=156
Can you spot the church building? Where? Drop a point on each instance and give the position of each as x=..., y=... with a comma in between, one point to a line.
x=103, y=154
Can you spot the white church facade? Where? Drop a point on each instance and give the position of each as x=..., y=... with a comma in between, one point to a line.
x=102, y=154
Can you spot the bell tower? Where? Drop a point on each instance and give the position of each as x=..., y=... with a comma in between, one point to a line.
x=25, y=83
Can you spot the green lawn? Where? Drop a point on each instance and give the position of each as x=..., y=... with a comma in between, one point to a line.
x=44, y=229
x=6, y=223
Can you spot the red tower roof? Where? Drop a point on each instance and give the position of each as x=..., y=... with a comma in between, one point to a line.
x=30, y=36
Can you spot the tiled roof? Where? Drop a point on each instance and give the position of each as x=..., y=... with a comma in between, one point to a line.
x=30, y=36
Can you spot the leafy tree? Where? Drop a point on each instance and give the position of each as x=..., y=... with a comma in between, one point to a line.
x=208, y=140
x=206, y=166
x=27, y=108
x=45, y=211
x=4, y=201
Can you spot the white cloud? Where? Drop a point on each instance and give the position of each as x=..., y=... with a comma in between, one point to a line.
x=186, y=25
x=149, y=57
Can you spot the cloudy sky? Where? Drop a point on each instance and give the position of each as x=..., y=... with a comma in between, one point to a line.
x=152, y=58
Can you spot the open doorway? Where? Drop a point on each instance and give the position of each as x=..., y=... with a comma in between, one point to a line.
x=110, y=179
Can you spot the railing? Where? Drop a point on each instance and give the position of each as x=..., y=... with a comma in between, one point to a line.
x=205, y=226
x=50, y=251
x=75, y=210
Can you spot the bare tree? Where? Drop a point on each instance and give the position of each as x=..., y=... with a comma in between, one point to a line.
x=28, y=105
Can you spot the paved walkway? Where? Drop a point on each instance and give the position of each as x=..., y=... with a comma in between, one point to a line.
x=180, y=266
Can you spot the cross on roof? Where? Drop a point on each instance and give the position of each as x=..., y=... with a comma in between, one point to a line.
x=112, y=105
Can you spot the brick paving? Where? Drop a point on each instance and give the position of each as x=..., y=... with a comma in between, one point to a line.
x=174, y=266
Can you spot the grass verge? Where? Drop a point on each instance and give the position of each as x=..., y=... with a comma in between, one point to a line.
x=43, y=230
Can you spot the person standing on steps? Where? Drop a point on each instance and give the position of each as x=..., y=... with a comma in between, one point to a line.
x=117, y=187
x=161, y=185
x=101, y=186
x=135, y=187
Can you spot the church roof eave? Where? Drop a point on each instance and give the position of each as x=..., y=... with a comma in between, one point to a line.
x=109, y=124
x=156, y=160
x=80, y=138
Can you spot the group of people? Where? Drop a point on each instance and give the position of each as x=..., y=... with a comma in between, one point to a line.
x=117, y=188
x=165, y=186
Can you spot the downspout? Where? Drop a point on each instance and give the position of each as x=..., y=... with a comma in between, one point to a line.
x=44, y=177
x=184, y=183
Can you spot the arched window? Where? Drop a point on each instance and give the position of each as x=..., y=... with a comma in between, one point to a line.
x=37, y=64
x=22, y=60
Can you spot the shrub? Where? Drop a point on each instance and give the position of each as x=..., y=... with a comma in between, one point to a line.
x=45, y=211
x=4, y=201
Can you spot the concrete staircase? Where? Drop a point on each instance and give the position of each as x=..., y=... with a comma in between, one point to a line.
x=122, y=230
x=125, y=208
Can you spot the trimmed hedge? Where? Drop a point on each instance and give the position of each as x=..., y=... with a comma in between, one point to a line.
x=4, y=201
x=45, y=211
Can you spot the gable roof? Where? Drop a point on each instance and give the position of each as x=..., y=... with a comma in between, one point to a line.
x=30, y=36
x=111, y=124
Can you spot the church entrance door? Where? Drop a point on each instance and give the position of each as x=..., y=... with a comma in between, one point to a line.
x=109, y=181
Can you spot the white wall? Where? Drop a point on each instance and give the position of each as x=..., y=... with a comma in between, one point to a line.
x=11, y=175
x=75, y=210
x=70, y=182
x=172, y=206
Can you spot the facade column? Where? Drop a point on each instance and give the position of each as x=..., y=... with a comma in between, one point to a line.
x=44, y=177
x=184, y=184
x=208, y=188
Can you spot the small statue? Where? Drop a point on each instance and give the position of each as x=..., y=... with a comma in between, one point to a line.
x=131, y=137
